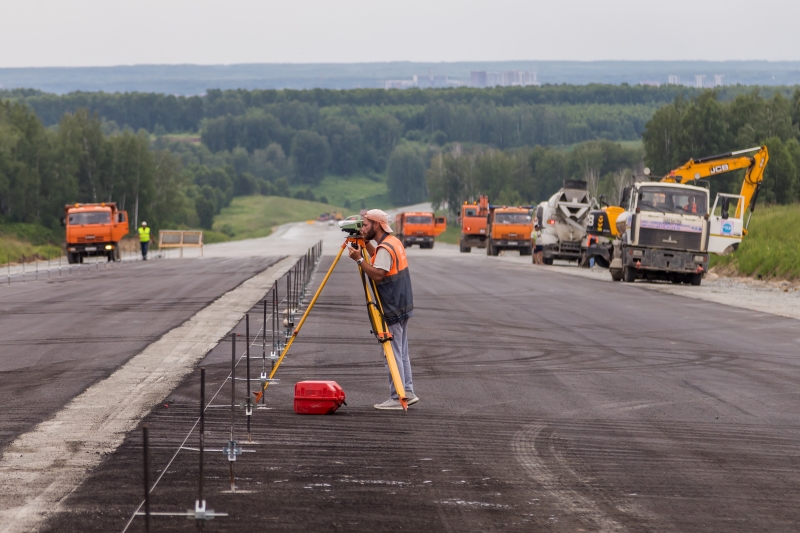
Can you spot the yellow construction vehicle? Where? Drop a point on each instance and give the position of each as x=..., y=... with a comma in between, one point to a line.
x=613, y=231
x=726, y=233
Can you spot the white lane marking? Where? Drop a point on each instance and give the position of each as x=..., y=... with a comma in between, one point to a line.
x=42, y=467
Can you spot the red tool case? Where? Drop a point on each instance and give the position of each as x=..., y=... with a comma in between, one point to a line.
x=317, y=397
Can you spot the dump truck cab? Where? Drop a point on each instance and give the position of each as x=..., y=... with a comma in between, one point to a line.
x=664, y=233
x=473, y=224
x=94, y=230
x=509, y=228
x=419, y=228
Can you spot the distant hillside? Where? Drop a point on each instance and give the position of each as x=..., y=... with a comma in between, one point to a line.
x=196, y=79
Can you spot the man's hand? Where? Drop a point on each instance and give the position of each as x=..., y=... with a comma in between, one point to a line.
x=355, y=253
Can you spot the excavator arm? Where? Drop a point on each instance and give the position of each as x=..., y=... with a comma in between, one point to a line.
x=723, y=163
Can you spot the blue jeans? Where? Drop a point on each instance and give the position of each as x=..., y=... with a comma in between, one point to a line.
x=144, y=249
x=399, y=333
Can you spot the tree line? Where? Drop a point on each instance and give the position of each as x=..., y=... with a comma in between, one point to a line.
x=527, y=176
x=681, y=130
x=185, y=113
x=706, y=125
x=43, y=169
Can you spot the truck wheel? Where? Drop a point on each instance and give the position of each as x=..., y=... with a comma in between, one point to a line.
x=525, y=251
x=463, y=248
x=72, y=258
x=430, y=244
x=696, y=279
x=616, y=274
x=547, y=260
x=628, y=275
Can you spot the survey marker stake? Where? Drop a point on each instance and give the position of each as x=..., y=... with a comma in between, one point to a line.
x=200, y=512
x=248, y=402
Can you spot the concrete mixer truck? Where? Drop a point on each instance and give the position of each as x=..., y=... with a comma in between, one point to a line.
x=562, y=220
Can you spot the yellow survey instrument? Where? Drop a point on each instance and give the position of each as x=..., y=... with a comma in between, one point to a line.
x=374, y=311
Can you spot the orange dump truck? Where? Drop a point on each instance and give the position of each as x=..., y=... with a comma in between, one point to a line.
x=509, y=228
x=418, y=228
x=94, y=229
x=473, y=224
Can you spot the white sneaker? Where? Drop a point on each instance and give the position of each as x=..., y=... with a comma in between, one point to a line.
x=389, y=405
x=412, y=398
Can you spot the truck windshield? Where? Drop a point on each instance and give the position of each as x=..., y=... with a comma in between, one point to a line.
x=512, y=218
x=671, y=200
x=471, y=212
x=90, y=217
x=419, y=220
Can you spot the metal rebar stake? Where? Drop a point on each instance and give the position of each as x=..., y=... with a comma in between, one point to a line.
x=264, y=353
x=231, y=449
x=145, y=447
x=248, y=404
x=200, y=504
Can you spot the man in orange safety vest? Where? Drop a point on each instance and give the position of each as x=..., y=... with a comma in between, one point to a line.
x=389, y=271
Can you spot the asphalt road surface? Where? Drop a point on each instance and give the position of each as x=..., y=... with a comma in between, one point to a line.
x=61, y=336
x=548, y=402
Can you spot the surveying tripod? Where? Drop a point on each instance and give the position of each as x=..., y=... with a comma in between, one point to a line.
x=374, y=310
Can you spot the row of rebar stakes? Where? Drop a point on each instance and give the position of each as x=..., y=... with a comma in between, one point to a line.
x=303, y=270
x=106, y=266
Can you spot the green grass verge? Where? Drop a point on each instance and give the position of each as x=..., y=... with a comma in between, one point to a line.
x=451, y=235
x=249, y=217
x=339, y=189
x=771, y=249
x=28, y=241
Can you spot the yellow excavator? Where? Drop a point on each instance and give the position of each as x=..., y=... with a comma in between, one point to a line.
x=608, y=225
x=719, y=164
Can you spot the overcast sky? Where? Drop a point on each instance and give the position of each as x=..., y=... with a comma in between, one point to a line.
x=119, y=32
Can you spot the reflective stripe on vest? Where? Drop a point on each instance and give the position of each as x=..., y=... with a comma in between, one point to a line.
x=395, y=288
x=144, y=234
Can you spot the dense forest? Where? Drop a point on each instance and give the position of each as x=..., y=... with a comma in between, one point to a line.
x=705, y=126
x=178, y=113
x=516, y=144
x=528, y=176
x=684, y=129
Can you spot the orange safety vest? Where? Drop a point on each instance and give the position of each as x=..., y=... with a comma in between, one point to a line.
x=395, y=288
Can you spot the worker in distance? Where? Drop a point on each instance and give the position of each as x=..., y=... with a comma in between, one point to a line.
x=144, y=239
x=389, y=271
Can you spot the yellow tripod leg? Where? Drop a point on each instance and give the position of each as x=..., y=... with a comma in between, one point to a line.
x=302, y=320
x=376, y=319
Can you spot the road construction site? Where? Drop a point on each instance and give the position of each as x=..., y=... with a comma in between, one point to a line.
x=550, y=400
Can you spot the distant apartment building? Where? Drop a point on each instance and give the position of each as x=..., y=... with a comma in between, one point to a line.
x=718, y=80
x=674, y=79
x=477, y=78
x=508, y=78
x=699, y=80
x=429, y=81
x=401, y=84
